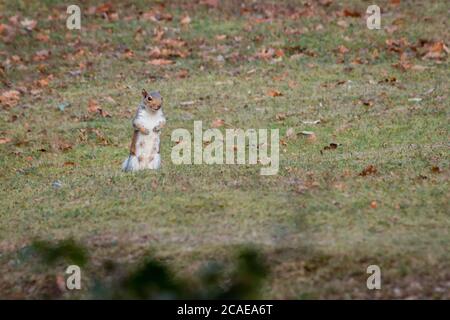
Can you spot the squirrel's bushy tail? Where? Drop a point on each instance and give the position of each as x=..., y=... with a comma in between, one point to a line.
x=130, y=164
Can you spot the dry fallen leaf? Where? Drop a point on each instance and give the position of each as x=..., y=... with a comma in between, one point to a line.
x=342, y=23
x=342, y=49
x=160, y=62
x=369, y=170
x=437, y=50
x=44, y=82
x=373, y=204
x=331, y=146
x=351, y=13
x=9, y=98
x=183, y=73
x=42, y=37
x=217, y=123
x=41, y=55
x=185, y=20
x=436, y=169
x=266, y=53
x=110, y=100
x=367, y=102
x=274, y=93
x=4, y=140
x=94, y=107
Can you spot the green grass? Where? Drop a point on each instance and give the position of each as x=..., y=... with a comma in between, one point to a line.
x=313, y=221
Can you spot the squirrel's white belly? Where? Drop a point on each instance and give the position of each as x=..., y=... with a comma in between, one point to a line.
x=147, y=145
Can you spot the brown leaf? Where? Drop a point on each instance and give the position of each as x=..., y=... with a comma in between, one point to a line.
x=174, y=43
x=331, y=146
x=42, y=37
x=160, y=62
x=367, y=102
x=62, y=146
x=3, y=28
x=266, y=53
x=404, y=64
x=104, y=8
x=342, y=23
x=351, y=13
x=94, y=107
x=279, y=53
x=217, y=123
x=369, y=170
x=155, y=53
x=5, y=140
x=373, y=204
x=437, y=51
x=185, y=20
x=221, y=37
x=44, y=82
x=183, y=73
x=436, y=169
x=9, y=98
x=41, y=55
x=274, y=93
x=342, y=49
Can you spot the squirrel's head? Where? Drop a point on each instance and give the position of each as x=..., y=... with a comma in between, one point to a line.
x=152, y=100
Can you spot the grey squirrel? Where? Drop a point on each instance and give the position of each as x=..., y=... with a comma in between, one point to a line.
x=147, y=125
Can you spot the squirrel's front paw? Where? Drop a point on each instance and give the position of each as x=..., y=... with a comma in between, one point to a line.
x=156, y=129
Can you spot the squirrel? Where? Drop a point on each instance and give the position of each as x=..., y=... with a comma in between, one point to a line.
x=147, y=125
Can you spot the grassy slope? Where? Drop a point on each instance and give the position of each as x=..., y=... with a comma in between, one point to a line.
x=313, y=220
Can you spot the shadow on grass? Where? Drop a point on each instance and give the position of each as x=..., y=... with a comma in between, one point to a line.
x=153, y=279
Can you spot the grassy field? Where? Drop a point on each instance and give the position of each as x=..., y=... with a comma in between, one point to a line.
x=382, y=97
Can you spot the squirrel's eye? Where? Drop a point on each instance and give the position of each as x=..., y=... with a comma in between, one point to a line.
x=149, y=98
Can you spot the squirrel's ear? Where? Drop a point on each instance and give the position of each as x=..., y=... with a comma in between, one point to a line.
x=144, y=93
